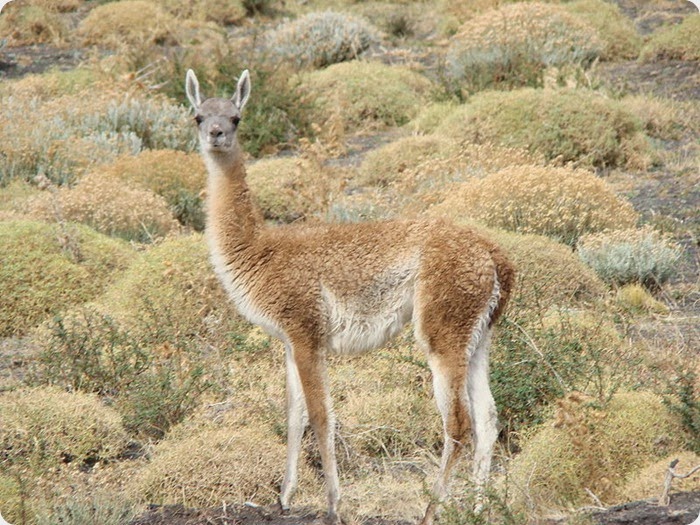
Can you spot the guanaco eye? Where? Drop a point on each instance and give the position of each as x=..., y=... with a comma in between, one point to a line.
x=198, y=119
x=235, y=120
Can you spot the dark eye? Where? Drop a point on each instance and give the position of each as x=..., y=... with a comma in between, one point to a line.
x=198, y=119
x=235, y=120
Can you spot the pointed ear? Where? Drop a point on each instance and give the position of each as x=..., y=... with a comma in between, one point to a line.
x=242, y=90
x=192, y=89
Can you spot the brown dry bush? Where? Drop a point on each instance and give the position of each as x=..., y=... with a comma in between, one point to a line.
x=593, y=447
x=51, y=84
x=220, y=11
x=176, y=176
x=416, y=171
x=46, y=268
x=105, y=204
x=33, y=22
x=42, y=428
x=563, y=125
x=211, y=466
x=561, y=203
x=289, y=189
x=648, y=481
x=515, y=43
x=364, y=95
x=133, y=22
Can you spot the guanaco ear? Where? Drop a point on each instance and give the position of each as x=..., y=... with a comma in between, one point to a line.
x=192, y=89
x=242, y=90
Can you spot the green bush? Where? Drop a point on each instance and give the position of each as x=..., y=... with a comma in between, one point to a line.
x=514, y=44
x=630, y=256
x=364, y=95
x=679, y=42
x=558, y=202
x=46, y=268
x=322, y=39
x=567, y=125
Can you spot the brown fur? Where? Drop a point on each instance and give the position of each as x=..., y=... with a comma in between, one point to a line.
x=348, y=287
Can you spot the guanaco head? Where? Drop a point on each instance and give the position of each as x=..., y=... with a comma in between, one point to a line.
x=217, y=118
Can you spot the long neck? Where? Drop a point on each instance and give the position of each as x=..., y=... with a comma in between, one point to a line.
x=232, y=219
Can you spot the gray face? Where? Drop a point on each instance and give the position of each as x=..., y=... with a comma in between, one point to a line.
x=217, y=120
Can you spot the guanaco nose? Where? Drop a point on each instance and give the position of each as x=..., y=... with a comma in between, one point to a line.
x=215, y=132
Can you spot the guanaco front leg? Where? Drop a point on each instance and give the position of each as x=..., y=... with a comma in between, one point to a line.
x=310, y=364
x=297, y=419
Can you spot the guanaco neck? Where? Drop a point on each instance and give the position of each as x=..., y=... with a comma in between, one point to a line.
x=233, y=221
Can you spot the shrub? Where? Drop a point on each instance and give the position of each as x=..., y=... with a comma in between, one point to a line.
x=176, y=176
x=29, y=23
x=207, y=467
x=558, y=202
x=62, y=138
x=46, y=427
x=594, y=447
x=617, y=33
x=103, y=509
x=646, y=483
x=568, y=125
x=129, y=22
x=679, y=42
x=322, y=39
x=660, y=117
x=46, y=268
x=170, y=291
x=51, y=84
x=221, y=12
x=107, y=205
x=288, y=189
x=365, y=95
x=12, y=499
x=634, y=298
x=430, y=117
x=513, y=45
x=630, y=256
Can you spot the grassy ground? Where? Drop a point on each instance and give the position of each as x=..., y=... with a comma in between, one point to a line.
x=374, y=121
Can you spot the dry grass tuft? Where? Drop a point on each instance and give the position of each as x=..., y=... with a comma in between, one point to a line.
x=617, y=33
x=648, y=482
x=46, y=268
x=133, y=22
x=45, y=427
x=593, y=447
x=365, y=95
x=212, y=466
x=561, y=203
x=321, y=39
x=33, y=22
x=678, y=42
x=514, y=43
x=635, y=298
x=171, y=290
x=178, y=177
x=563, y=125
x=291, y=188
x=222, y=12
x=109, y=206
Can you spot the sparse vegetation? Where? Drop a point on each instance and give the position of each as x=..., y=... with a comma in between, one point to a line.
x=126, y=376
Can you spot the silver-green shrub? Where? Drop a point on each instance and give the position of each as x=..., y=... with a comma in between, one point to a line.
x=322, y=39
x=626, y=256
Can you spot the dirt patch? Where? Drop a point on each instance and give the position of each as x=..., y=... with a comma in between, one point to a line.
x=17, y=62
x=674, y=79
